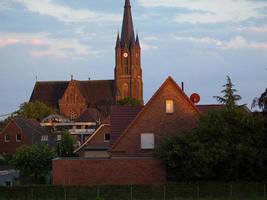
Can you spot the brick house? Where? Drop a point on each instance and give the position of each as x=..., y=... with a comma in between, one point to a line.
x=134, y=138
x=22, y=131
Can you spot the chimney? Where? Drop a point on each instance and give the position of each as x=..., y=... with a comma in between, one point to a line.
x=183, y=86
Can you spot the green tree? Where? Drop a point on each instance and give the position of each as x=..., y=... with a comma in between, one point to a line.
x=229, y=97
x=34, y=163
x=261, y=102
x=66, y=145
x=36, y=110
x=129, y=101
x=224, y=146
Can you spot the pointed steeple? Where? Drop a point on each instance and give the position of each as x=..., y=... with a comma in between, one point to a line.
x=118, y=42
x=137, y=43
x=127, y=32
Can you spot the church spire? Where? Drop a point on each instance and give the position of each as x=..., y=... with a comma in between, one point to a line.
x=118, y=42
x=137, y=43
x=127, y=32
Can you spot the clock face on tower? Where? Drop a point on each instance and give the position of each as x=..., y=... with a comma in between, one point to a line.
x=125, y=55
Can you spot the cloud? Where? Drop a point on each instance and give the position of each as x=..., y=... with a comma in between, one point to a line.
x=151, y=38
x=237, y=42
x=148, y=47
x=68, y=14
x=253, y=29
x=54, y=47
x=212, y=11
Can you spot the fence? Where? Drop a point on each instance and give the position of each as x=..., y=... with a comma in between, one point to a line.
x=180, y=191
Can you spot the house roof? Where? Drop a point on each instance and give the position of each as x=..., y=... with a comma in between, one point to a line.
x=90, y=115
x=120, y=118
x=208, y=107
x=91, y=137
x=94, y=91
x=168, y=80
x=31, y=128
x=49, y=92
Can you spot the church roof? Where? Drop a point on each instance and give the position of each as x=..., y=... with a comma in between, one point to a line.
x=49, y=92
x=127, y=32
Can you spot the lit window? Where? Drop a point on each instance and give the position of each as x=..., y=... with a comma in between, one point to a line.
x=44, y=138
x=59, y=137
x=18, y=138
x=147, y=141
x=169, y=106
x=7, y=138
x=107, y=137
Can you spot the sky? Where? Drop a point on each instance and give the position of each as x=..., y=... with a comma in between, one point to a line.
x=198, y=42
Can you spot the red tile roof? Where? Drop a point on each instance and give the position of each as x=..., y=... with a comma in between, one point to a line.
x=96, y=92
x=121, y=117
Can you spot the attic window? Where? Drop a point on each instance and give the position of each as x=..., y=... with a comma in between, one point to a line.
x=169, y=106
x=18, y=138
x=7, y=138
x=44, y=138
x=107, y=137
x=147, y=141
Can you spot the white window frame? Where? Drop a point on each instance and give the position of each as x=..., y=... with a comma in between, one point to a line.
x=169, y=106
x=147, y=141
x=105, y=137
x=5, y=136
x=17, y=137
x=44, y=138
x=59, y=137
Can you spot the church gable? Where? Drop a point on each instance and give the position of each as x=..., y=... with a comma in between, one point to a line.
x=72, y=104
x=168, y=112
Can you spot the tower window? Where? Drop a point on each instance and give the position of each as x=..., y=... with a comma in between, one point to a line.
x=169, y=106
x=107, y=137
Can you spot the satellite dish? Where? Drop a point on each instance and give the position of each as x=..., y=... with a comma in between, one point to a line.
x=195, y=98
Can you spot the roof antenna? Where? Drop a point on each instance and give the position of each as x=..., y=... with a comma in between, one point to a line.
x=36, y=78
x=183, y=86
x=71, y=77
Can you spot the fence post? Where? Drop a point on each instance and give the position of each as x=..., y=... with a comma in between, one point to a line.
x=164, y=192
x=98, y=191
x=131, y=192
x=197, y=191
x=264, y=191
x=65, y=193
x=231, y=191
x=32, y=192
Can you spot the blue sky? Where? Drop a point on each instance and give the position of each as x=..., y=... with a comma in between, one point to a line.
x=195, y=41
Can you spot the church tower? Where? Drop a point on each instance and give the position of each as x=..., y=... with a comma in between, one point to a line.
x=128, y=71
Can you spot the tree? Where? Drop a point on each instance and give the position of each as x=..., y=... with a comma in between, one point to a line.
x=66, y=145
x=229, y=98
x=224, y=146
x=34, y=163
x=130, y=101
x=261, y=102
x=36, y=110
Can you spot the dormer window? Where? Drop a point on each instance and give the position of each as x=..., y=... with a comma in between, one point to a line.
x=169, y=106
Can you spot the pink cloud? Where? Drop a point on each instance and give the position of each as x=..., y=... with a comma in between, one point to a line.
x=38, y=42
x=8, y=41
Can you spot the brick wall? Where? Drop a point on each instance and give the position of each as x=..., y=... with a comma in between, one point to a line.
x=115, y=171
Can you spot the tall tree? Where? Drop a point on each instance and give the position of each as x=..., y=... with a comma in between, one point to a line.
x=34, y=163
x=229, y=97
x=66, y=145
x=36, y=110
x=261, y=102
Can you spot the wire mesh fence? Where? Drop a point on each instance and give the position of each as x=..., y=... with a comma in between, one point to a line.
x=177, y=191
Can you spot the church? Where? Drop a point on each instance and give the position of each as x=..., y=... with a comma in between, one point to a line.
x=72, y=98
